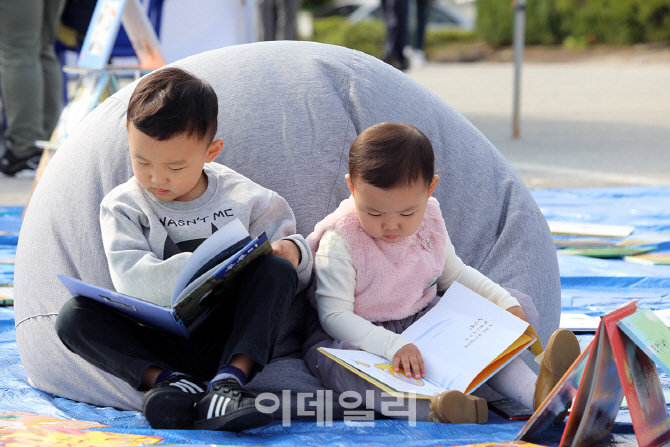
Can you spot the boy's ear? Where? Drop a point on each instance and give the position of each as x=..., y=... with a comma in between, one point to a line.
x=433, y=184
x=349, y=183
x=214, y=149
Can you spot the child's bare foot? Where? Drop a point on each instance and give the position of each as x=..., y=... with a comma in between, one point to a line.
x=457, y=408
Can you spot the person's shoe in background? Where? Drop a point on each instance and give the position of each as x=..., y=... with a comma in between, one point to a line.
x=396, y=61
x=10, y=164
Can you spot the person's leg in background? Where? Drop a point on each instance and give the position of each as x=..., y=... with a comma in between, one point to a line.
x=395, y=17
x=287, y=16
x=30, y=78
x=268, y=20
x=418, y=55
x=51, y=67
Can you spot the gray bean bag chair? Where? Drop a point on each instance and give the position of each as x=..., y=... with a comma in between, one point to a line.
x=288, y=114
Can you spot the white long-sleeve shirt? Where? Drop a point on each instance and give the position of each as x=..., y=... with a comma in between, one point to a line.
x=336, y=284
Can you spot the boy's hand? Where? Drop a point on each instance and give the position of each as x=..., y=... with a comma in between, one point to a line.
x=518, y=312
x=288, y=250
x=410, y=359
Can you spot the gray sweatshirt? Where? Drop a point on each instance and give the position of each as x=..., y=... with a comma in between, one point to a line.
x=147, y=241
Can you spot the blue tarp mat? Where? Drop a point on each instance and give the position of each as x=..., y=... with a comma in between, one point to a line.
x=588, y=286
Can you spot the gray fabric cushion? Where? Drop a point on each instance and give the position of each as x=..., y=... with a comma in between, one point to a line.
x=288, y=114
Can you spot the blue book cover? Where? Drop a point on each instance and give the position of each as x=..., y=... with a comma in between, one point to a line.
x=214, y=265
x=101, y=34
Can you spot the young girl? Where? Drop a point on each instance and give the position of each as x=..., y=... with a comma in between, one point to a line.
x=376, y=256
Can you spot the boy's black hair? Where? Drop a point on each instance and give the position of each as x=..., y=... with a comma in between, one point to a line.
x=171, y=101
x=387, y=155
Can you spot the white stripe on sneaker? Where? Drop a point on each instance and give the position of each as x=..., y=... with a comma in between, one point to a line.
x=225, y=405
x=187, y=386
x=218, y=407
x=194, y=386
x=212, y=404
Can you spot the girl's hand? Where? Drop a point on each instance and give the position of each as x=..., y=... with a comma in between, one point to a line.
x=410, y=359
x=288, y=250
x=518, y=311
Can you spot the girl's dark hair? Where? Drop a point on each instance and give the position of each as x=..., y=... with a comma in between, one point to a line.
x=387, y=155
x=170, y=102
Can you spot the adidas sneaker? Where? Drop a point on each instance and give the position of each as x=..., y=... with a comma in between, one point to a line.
x=171, y=403
x=229, y=406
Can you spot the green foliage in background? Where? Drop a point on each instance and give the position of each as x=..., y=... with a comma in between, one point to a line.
x=577, y=23
x=368, y=36
x=314, y=5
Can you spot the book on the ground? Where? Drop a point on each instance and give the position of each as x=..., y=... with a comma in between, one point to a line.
x=607, y=252
x=666, y=395
x=6, y=296
x=10, y=422
x=18, y=429
x=558, y=399
x=586, y=242
x=646, y=239
x=464, y=326
x=589, y=229
x=649, y=258
x=213, y=265
x=504, y=444
x=651, y=334
x=612, y=367
x=579, y=322
x=637, y=373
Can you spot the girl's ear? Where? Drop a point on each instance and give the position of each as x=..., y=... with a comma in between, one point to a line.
x=214, y=149
x=350, y=183
x=433, y=184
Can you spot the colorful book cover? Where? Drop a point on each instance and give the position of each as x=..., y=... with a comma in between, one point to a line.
x=650, y=258
x=607, y=252
x=10, y=422
x=504, y=444
x=142, y=36
x=28, y=429
x=101, y=34
x=35, y=436
x=651, y=334
x=640, y=382
x=598, y=398
x=558, y=400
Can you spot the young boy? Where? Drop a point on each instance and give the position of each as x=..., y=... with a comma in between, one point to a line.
x=150, y=225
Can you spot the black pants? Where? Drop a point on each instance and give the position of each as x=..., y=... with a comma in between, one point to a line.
x=395, y=17
x=247, y=322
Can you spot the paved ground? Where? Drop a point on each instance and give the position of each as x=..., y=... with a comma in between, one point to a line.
x=593, y=122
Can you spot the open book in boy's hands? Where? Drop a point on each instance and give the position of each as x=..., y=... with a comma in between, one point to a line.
x=463, y=340
x=213, y=264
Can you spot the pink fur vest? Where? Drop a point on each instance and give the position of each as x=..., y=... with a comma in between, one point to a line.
x=392, y=279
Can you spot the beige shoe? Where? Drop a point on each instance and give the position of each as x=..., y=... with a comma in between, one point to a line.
x=457, y=408
x=562, y=350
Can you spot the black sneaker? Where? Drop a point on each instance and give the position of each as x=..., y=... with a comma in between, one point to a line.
x=229, y=406
x=10, y=164
x=171, y=403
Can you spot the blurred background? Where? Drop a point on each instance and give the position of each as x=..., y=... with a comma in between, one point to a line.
x=594, y=85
